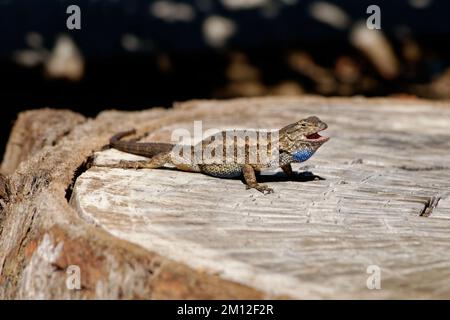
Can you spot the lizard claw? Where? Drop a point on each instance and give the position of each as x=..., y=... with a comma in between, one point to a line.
x=268, y=190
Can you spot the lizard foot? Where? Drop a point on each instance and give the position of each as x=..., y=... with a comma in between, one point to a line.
x=261, y=188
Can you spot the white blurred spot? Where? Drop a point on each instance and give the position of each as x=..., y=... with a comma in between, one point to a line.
x=217, y=30
x=31, y=57
x=420, y=4
x=329, y=13
x=65, y=60
x=34, y=40
x=243, y=4
x=377, y=48
x=130, y=42
x=28, y=58
x=172, y=12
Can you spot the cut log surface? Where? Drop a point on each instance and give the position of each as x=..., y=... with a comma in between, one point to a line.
x=376, y=226
x=383, y=202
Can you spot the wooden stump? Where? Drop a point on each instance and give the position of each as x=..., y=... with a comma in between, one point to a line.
x=383, y=207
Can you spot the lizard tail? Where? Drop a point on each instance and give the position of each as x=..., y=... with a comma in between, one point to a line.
x=149, y=149
x=116, y=138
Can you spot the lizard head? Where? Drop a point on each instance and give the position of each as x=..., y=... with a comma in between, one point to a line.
x=303, y=134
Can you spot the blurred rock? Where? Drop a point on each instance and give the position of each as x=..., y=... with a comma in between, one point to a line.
x=65, y=60
x=376, y=47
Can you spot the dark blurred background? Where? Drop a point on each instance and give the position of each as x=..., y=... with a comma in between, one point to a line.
x=134, y=54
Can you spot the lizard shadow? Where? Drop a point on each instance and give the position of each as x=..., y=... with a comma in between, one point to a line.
x=304, y=176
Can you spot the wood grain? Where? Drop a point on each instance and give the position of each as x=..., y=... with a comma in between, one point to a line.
x=384, y=201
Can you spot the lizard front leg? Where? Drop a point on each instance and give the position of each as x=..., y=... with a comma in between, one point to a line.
x=287, y=169
x=250, y=180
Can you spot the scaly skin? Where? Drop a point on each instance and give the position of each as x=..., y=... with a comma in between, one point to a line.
x=232, y=153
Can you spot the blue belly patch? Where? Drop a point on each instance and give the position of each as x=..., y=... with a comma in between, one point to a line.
x=302, y=155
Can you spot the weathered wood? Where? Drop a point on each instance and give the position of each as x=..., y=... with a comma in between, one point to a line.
x=384, y=201
x=34, y=130
x=4, y=196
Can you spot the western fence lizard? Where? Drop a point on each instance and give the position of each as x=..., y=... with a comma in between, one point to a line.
x=232, y=153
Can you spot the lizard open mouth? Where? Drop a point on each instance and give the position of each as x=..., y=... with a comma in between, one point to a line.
x=316, y=137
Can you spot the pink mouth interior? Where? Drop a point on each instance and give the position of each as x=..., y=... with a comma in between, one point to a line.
x=316, y=136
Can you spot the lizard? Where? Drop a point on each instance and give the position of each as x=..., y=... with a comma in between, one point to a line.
x=295, y=143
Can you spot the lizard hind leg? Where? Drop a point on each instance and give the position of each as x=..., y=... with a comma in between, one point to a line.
x=157, y=161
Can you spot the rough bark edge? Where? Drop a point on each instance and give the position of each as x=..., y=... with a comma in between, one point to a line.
x=35, y=129
x=4, y=197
